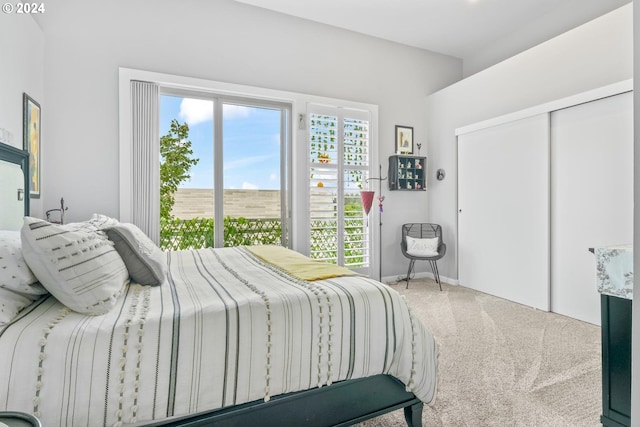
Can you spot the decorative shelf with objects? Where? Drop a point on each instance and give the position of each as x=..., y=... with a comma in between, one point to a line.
x=407, y=173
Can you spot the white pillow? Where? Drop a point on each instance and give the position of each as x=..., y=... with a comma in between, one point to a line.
x=76, y=263
x=102, y=221
x=11, y=303
x=15, y=274
x=147, y=264
x=422, y=247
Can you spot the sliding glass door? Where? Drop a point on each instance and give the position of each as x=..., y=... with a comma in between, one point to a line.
x=253, y=174
x=235, y=188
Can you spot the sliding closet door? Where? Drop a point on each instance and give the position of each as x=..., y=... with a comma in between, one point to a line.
x=591, y=197
x=503, y=202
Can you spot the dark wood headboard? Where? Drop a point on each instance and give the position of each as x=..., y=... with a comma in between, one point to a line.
x=20, y=157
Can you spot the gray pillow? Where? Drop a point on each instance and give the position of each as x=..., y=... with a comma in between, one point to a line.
x=147, y=264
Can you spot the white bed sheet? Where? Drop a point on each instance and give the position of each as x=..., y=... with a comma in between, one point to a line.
x=226, y=329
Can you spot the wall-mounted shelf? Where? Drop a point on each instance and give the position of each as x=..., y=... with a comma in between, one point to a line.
x=407, y=173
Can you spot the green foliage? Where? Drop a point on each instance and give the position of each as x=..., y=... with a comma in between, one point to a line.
x=176, y=161
x=353, y=209
x=246, y=232
x=179, y=234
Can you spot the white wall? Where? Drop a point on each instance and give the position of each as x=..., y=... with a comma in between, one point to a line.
x=566, y=14
x=593, y=55
x=224, y=41
x=21, y=70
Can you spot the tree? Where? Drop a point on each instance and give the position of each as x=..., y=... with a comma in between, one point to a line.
x=176, y=161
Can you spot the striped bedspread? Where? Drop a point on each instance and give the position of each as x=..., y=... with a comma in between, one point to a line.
x=226, y=328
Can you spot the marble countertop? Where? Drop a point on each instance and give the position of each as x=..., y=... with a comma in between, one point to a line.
x=614, y=270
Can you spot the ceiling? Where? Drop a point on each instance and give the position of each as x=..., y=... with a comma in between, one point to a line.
x=459, y=28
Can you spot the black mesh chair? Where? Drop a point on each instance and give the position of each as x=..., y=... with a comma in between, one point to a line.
x=423, y=231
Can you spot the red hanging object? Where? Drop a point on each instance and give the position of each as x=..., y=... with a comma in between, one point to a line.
x=367, y=200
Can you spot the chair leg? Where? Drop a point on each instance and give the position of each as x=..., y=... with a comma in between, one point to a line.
x=436, y=274
x=409, y=272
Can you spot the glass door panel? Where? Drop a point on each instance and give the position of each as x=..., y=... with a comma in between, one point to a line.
x=186, y=172
x=252, y=175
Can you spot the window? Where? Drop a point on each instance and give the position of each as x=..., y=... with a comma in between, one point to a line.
x=236, y=193
x=339, y=159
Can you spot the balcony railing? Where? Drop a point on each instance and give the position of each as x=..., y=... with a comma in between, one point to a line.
x=197, y=233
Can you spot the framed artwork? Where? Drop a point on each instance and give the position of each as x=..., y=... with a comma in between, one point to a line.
x=404, y=140
x=31, y=141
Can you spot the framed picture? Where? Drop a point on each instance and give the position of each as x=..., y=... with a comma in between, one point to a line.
x=404, y=140
x=31, y=141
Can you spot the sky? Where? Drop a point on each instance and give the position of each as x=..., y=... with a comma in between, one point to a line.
x=251, y=147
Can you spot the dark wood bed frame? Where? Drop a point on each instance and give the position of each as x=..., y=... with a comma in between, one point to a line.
x=341, y=404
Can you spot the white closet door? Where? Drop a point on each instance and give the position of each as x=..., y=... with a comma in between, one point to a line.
x=503, y=202
x=591, y=197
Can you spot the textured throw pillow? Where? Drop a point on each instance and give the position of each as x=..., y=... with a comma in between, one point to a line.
x=146, y=263
x=76, y=263
x=15, y=274
x=422, y=247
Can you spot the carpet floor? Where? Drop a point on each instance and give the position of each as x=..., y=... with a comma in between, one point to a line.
x=504, y=364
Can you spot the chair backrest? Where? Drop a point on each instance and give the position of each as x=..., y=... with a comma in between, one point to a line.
x=421, y=230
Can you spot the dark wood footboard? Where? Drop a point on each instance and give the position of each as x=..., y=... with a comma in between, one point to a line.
x=341, y=404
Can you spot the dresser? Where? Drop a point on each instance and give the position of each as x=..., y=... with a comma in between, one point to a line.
x=614, y=278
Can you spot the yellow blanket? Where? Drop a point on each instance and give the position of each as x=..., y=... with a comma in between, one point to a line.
x=297, y=264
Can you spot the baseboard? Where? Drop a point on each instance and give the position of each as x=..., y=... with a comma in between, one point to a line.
x=424, y=275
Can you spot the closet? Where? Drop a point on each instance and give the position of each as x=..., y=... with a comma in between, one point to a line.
x=536, y=189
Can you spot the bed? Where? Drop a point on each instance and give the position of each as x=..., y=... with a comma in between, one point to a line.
x=229, y=337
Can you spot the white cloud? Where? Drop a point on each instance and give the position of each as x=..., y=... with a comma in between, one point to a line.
x=249, y=186
x=195, y=111
x=274, y=177
x=236, y=111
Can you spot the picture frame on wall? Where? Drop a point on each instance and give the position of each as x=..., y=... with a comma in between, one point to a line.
x=404, y=139
x=31, y=141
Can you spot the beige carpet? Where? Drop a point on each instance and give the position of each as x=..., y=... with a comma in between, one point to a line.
x=505, y=364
